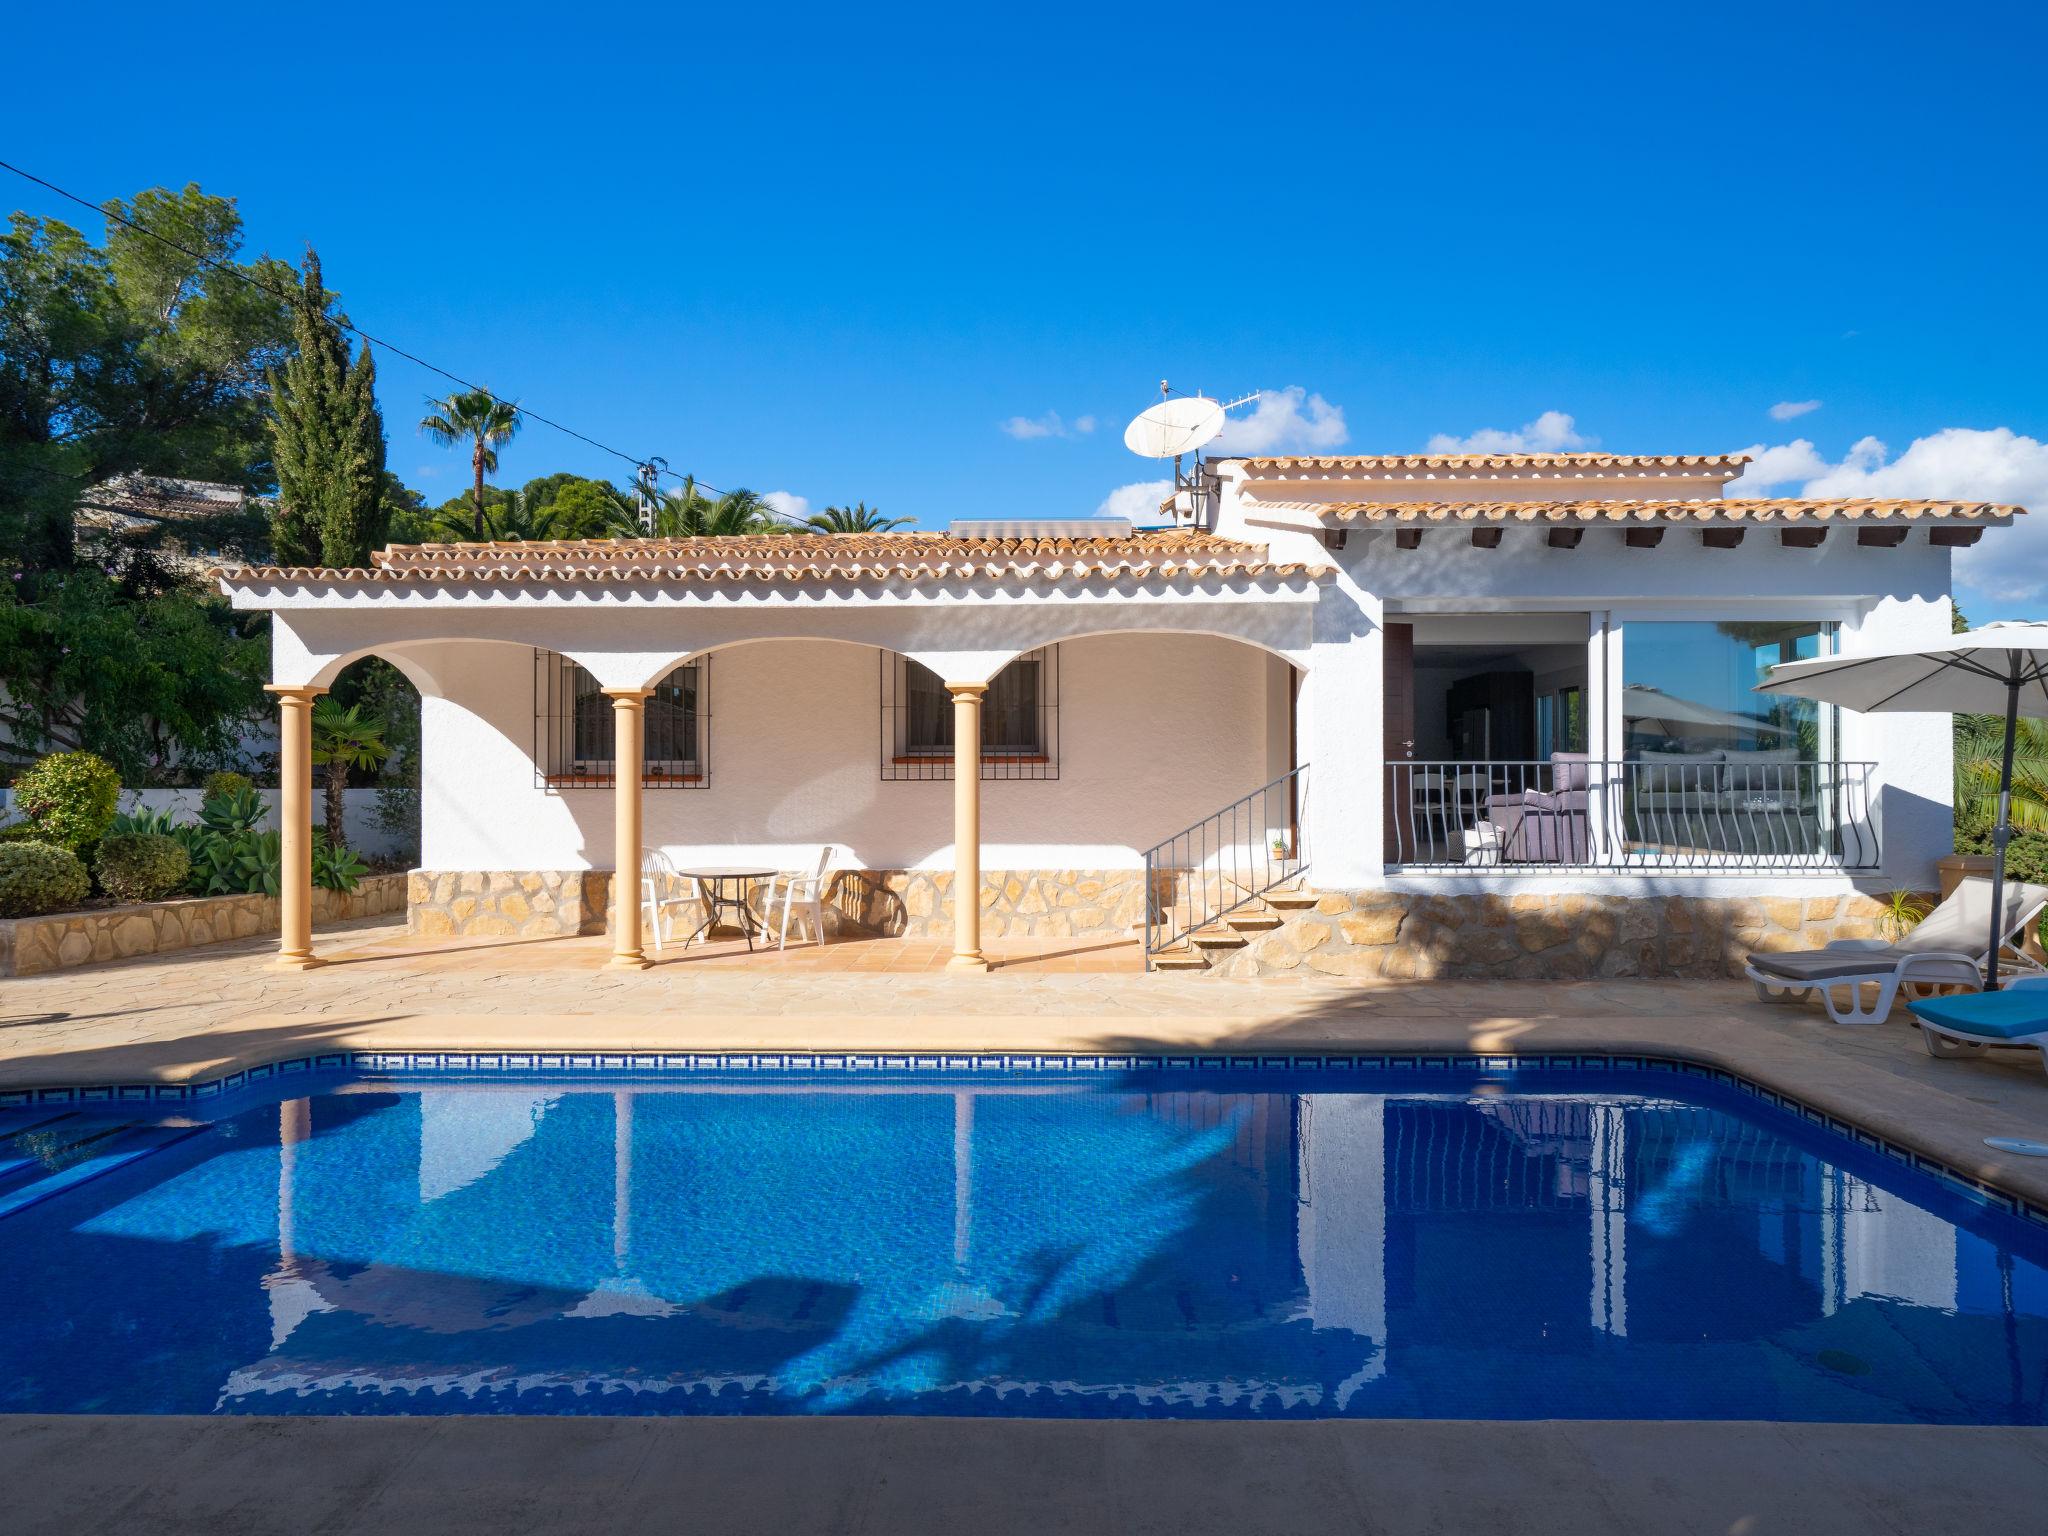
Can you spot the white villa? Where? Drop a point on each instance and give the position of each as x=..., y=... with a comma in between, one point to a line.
x=1491, y=714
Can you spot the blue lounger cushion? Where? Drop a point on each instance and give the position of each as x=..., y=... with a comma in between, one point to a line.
x=1993, y=1015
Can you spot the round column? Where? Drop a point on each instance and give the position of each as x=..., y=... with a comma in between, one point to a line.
x=967, y=955
x=295, y=826
x=628, y=738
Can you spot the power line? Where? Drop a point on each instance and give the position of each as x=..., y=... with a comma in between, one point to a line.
x=640, y=462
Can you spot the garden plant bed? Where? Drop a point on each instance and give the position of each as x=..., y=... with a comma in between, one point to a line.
x=85, y=936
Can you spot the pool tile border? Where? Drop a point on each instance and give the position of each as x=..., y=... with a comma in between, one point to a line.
x=1076, y=1063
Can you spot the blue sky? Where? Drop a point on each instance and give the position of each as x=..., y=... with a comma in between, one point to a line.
x=834, y=253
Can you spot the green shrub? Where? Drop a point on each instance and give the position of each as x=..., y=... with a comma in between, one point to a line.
x=2026, y=854
x=69, y=797
x=216, y=784
x=39, y=877
x=141, y=866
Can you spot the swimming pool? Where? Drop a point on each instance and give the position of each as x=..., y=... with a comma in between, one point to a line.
x=1177, y=1242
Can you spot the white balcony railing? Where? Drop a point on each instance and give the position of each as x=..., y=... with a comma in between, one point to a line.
x=1712, y=813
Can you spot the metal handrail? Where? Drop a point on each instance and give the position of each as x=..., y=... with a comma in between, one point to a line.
x=1225, y=861
x=1704, y=814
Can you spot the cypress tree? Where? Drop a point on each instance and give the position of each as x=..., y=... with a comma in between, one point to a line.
x=327, y=439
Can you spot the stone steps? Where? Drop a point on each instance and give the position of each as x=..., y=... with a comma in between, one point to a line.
x=1180, y=959
x=1250, y=921
x=1218, y=938
x=1292, y=901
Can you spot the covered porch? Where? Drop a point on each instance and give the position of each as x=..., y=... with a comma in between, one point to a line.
x=599, y=720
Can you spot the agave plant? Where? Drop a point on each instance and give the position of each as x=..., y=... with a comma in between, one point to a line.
x=143, y=822
x=336, y=867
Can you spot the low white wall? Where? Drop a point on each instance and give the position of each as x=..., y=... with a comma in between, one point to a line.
x=358, y=812
x=1155, y=732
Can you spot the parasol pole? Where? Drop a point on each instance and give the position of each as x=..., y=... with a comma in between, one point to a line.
x=2002, y=832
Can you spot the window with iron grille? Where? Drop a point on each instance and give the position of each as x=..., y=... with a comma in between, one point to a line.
x=1020, y=720
x=573, y=734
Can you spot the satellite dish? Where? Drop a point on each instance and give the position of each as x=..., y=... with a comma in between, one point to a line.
x=1174, y=426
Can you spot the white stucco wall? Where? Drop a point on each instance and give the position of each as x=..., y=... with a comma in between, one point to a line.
x=1155, y=732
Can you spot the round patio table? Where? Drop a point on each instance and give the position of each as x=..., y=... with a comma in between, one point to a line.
x=725, y=890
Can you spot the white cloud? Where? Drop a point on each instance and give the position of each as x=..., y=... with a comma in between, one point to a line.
x=1785, y=410
x=1956, y=464
x=1552, y=432
x=790, y=505
x=1024, y=428
x=1138, y=501
x=1289, y=420
x=1773, y=466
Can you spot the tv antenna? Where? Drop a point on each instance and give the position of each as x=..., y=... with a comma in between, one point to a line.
x=1177, y=426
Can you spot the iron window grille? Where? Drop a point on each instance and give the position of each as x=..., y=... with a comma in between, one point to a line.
x=573, y=732
x=1020, y=720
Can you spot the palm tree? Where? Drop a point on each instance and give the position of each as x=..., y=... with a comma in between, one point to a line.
x=479, y=418
x=344, y=739
x=858, y=518
x=512, y=521
x=1979, y=744
x=690, y=514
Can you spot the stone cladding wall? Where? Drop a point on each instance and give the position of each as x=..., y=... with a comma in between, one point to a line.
x=1544, y=936
x=1040, y=903
x=533, y=903
x=29, y=945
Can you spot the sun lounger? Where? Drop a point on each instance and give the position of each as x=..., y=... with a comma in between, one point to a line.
x=1948, y=947
x=1967, y=1026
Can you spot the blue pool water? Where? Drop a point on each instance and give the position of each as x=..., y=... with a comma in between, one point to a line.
x=1174, y=1244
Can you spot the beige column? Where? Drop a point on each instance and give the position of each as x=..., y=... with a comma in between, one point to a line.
x=628, y=743
x=295, y=826
x=967, y=954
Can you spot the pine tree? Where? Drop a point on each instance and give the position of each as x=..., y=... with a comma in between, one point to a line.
x=328, y=441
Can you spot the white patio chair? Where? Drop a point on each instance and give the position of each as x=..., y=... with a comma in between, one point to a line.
x=805, y=888
x=1948, y=947
x=663, y=889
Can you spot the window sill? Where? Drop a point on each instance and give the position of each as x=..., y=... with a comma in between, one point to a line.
x=924, y=758
x=606, y=780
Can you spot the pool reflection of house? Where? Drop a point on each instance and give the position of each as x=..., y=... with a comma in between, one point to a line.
x=1192, y=1251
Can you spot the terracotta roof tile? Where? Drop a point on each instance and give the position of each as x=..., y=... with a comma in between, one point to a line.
x=767, y=559
x=1706, y=509
x=1642, y=463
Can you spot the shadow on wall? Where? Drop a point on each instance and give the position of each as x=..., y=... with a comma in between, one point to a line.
x=1913, y=831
